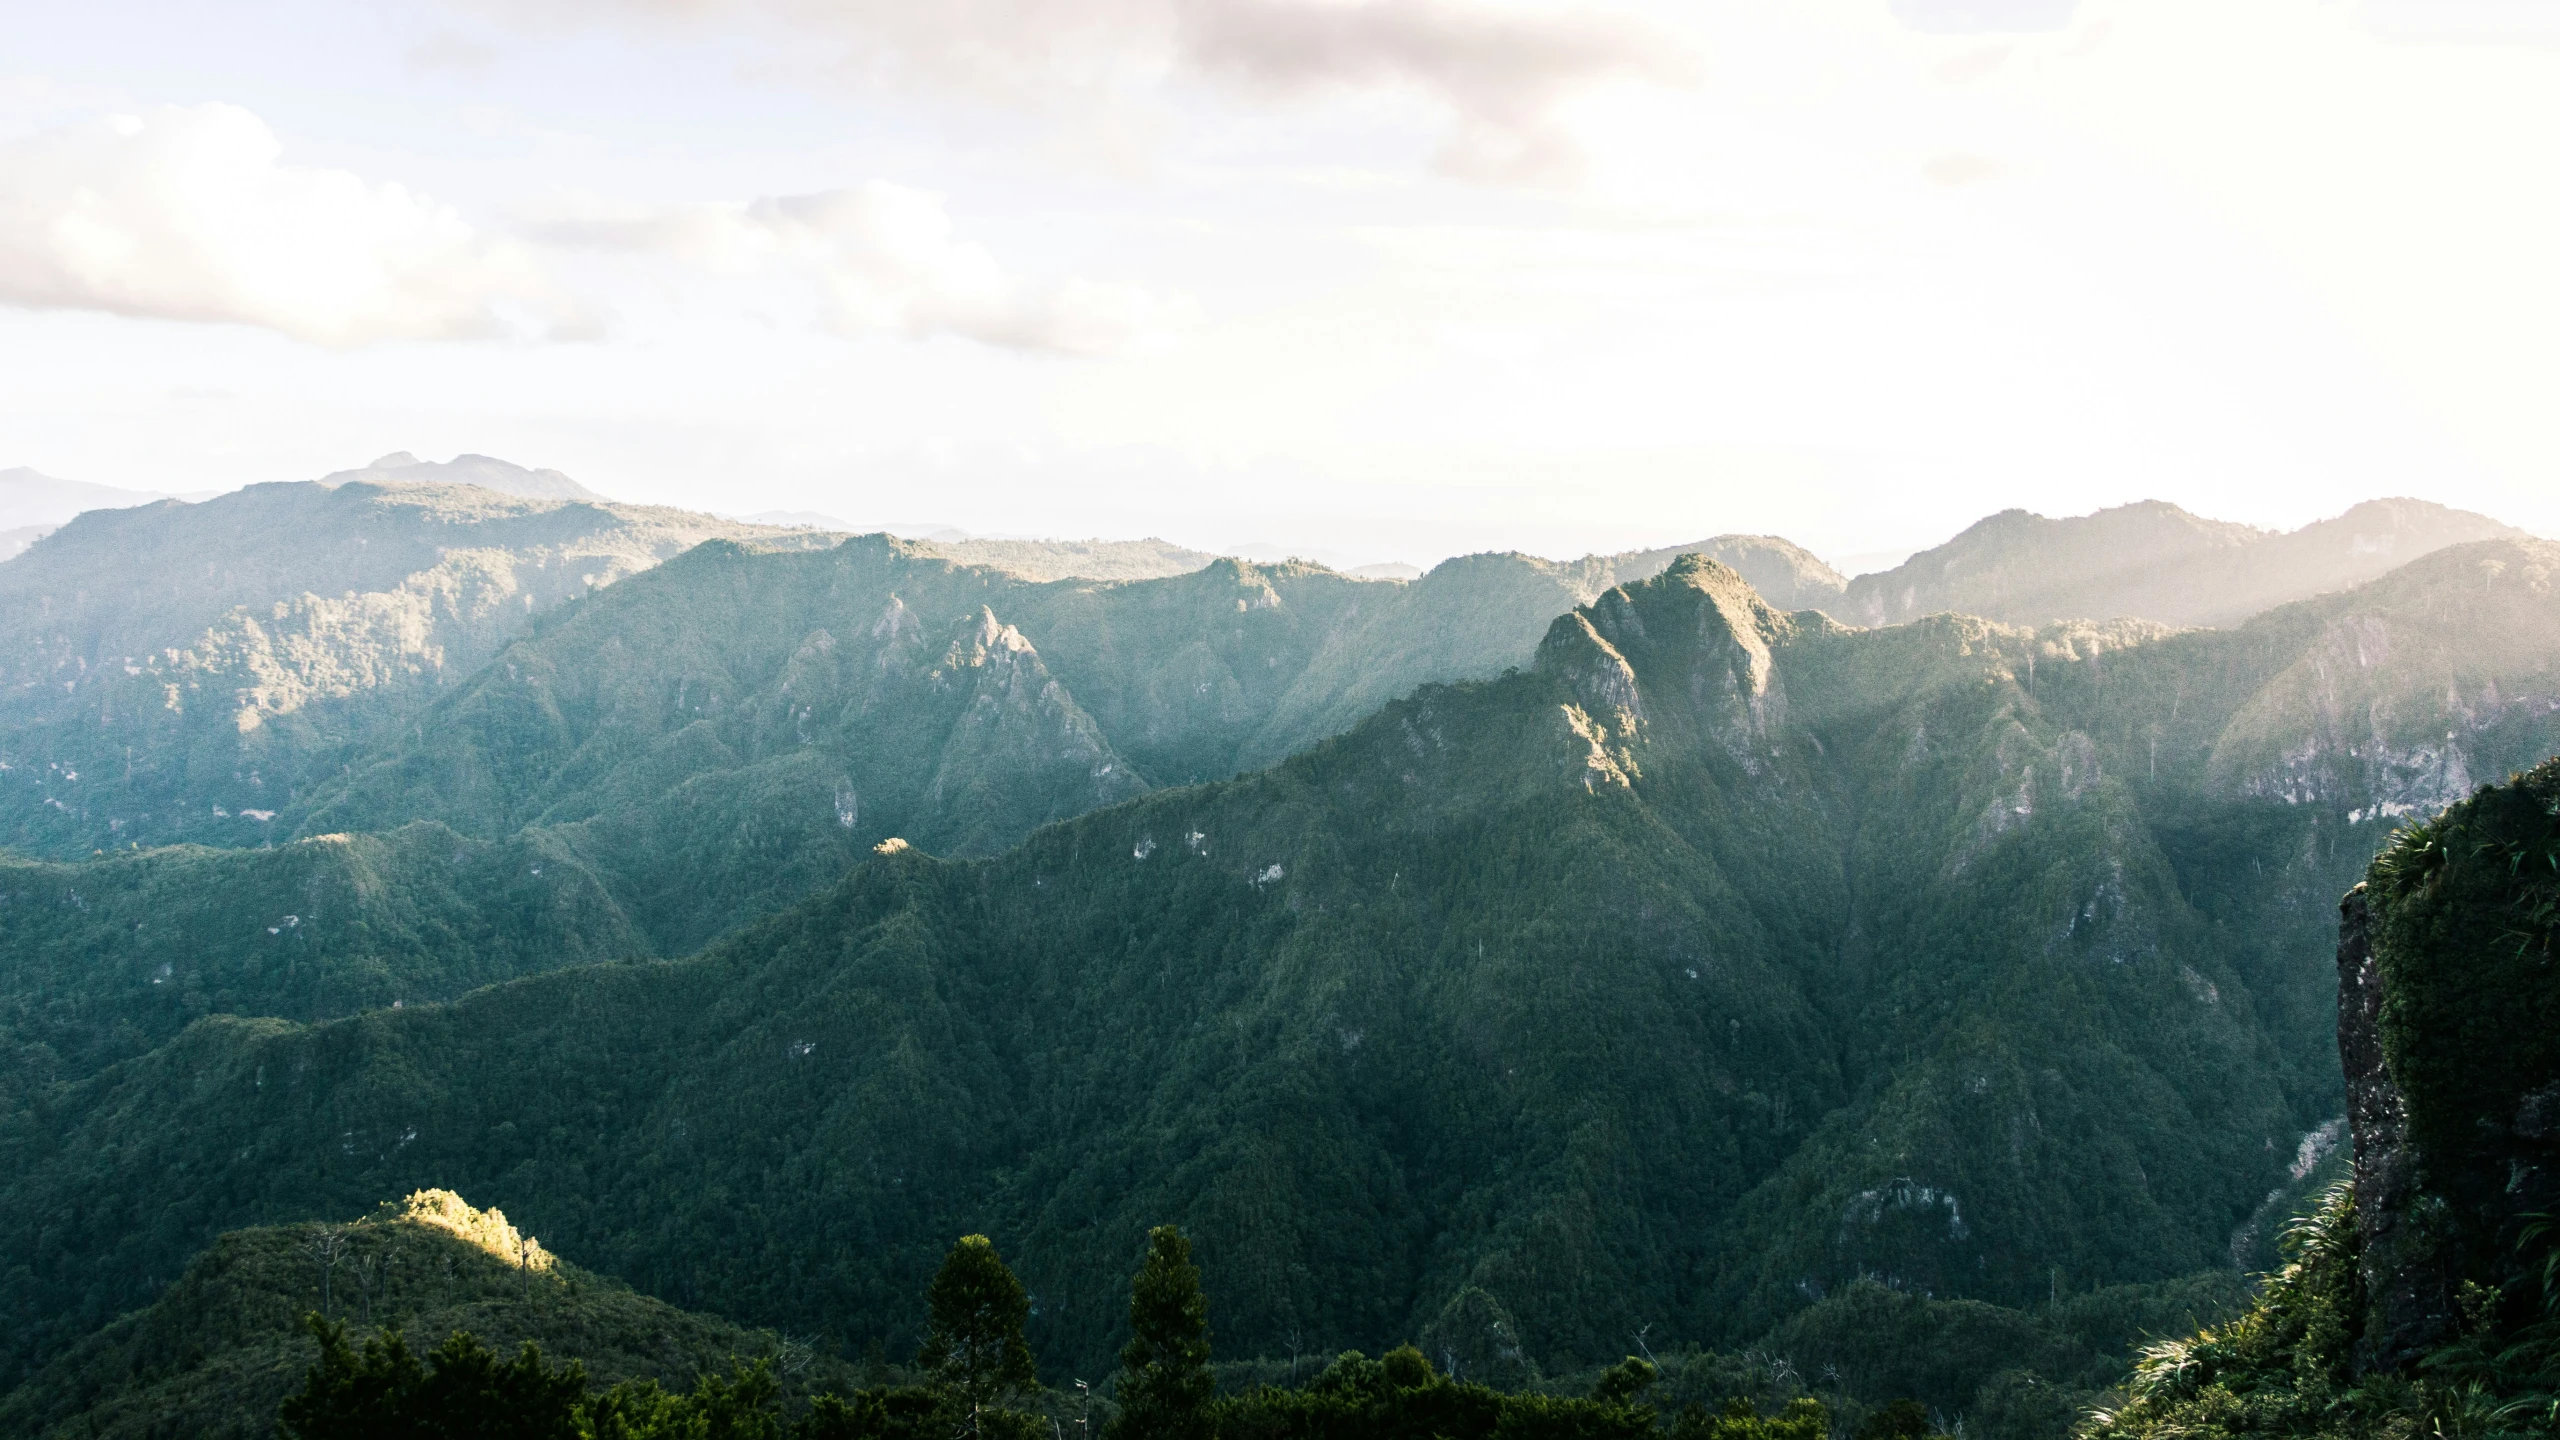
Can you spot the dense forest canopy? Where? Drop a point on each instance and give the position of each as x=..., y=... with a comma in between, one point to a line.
x=1945, y=1003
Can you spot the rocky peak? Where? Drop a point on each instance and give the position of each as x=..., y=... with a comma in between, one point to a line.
x=1696, y=639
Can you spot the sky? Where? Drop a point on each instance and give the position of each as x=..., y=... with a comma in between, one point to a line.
x=1360, y=279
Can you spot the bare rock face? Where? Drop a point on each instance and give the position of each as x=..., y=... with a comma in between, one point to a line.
x=2411, y=1304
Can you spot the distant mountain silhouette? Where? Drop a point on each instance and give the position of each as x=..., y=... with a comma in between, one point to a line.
x=31, y=499
x=2154, y=561
x=486, y=471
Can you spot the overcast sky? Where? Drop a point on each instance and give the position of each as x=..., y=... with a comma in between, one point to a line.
x=1376, y=279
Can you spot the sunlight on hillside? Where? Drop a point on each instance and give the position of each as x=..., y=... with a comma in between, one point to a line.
x=487, y=1229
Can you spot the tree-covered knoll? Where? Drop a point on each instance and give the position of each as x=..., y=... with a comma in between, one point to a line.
x=224, y=1344
x=1719, y=960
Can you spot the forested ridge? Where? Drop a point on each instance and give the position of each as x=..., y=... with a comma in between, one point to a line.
x=1937, y=1008
x=693, y=748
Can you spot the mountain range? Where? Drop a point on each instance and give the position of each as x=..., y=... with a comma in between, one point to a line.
x=1977, y=958
x=1631, y=942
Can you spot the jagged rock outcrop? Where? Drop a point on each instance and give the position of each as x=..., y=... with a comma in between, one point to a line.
x=2448, y=990
x=2412, y=1303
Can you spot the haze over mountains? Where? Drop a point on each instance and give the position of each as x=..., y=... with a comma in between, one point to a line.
x=30, y=498
x=489, y=473
x=2153, y=560
x=1634, y=940
x=33, y=504
x=1928, y=944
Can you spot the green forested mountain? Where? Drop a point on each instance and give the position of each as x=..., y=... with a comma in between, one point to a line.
x=224, y=1344
x=103, y=960
x=957, y=706
x=2155, y=561
x=173, y=671
x=651, y=767
x=194, y=672
x=1717, y=961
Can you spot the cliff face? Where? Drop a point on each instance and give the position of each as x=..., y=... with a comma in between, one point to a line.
x=2411, y=1302
x=2420, y=1298
x=2448, y=993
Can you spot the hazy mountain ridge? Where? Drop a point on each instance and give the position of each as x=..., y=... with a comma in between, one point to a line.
x=1148, y=559
x=1169, y=681
x=216, y=658
x=679, y=757
x=31, y=499
x=692, y=782
x=2155, y=561
x=315, y=677
x=1473, y=616
x=486, y=472
x=202, y=655
x=1902, y=934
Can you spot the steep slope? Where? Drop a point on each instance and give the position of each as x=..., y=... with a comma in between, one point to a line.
x=220, y=1349
x=877, y=690
x=189, y=673
x=169, y=672
x=705, y=745
x=2155, y=561
x=102, y=961
x=1477, y=615
x=1719, y=959
x=905, y=694
x=2421, y=1297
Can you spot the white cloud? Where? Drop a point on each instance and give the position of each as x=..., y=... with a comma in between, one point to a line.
x=1503, y=71
x=882, y=259
x=188, y=214
x=1500, y=69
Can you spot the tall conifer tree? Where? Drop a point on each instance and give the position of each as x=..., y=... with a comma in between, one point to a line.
x=973, y=1338
x=1166, y=1389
